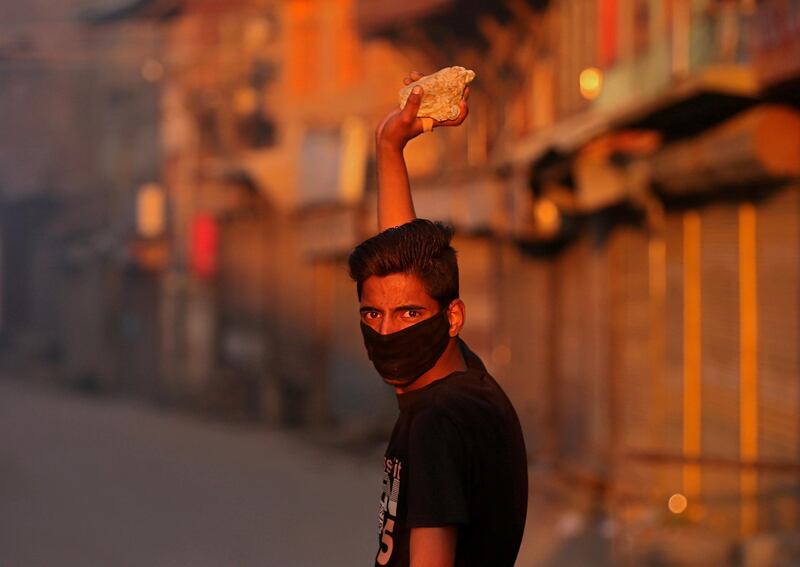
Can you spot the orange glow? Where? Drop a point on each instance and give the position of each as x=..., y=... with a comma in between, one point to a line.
x=692, y=353
x=355, y=144
x=303, y=31
x=591, y=83
x=348, y=48
x=677, y=503
x=748, y=379
x=150, y=210
x=547, y=216
x=657, y=290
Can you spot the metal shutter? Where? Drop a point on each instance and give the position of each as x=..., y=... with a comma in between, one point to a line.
x=778, y=280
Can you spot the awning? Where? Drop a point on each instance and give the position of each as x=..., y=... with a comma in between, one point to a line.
x=564, y=138
x=681, y=112
x=695, y=105
x=755, y=148
x=684, y=110
x=272, y=173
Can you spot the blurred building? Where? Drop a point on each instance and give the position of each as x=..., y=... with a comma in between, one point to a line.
x=266, y=122
x=79, y=138
x=626, y=204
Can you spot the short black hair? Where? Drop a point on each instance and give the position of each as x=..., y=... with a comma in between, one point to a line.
x=419, y=247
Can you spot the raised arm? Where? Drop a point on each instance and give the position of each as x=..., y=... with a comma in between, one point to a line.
x=395, y=204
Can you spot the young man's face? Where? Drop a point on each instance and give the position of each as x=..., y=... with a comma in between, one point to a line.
x=392, y=303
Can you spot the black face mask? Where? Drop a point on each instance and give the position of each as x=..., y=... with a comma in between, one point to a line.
x=402, y=357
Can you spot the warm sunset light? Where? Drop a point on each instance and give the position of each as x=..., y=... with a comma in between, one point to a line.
x=250, y=296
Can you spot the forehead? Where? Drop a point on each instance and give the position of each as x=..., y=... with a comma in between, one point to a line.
x=395, y=289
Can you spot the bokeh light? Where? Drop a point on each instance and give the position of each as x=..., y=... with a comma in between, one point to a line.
x=591, y=83
x=677, y=503
x=152, y=71
x=548, y=219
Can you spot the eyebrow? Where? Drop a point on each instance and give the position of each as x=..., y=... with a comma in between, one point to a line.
x=407, y=307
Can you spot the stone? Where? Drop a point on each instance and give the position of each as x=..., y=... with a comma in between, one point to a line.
x=442, y=91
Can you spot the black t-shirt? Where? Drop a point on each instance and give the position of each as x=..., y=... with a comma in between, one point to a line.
x=456, y=457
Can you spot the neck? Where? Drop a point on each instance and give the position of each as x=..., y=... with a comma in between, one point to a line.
x=451, y=361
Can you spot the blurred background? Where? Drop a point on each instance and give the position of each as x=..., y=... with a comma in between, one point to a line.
x=182, y=377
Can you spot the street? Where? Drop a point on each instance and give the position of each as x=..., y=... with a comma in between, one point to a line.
x=93, y=481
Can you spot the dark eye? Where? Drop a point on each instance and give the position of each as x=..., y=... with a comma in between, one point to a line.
x=370, y=315
x=411, y=314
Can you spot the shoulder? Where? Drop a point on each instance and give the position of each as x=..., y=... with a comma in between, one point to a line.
x=458, y=405
x=436, y=418
x=472, y=391
x=446, y=399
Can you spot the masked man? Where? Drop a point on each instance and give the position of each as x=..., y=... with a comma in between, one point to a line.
x=455, y=471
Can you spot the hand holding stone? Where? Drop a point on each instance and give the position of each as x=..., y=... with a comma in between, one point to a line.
x=404, y=124
x=443, y=90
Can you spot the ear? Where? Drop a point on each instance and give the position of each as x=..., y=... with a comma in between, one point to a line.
x=456, y=314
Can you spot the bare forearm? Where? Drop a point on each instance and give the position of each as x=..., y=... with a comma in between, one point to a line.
x=395, y=206
x=433, y=547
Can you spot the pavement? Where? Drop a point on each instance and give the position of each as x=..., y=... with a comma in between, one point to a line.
x=93, y=481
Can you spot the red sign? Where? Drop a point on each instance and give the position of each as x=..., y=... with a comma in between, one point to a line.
x=204, y=237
